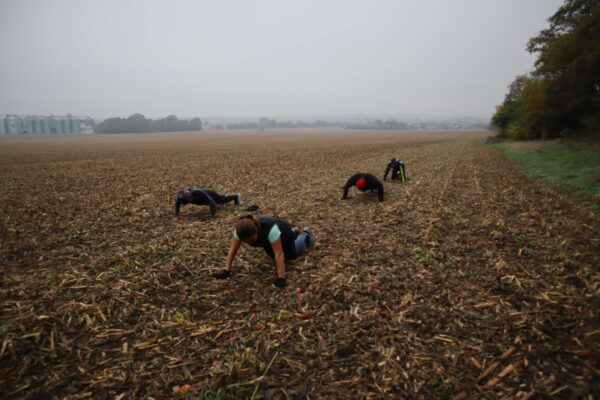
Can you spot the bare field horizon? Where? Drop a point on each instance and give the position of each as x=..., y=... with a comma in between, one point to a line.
x=470, y=280
x=82, y=144
x=326, y=134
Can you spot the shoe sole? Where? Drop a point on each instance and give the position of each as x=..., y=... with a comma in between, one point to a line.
x=309, y=238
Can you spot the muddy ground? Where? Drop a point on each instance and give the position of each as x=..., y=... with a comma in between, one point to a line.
x=468, y=281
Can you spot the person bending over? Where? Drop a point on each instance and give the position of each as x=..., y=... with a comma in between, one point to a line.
x=279, y=239
x=396, y=165
x=364, y=181
x=205, y=197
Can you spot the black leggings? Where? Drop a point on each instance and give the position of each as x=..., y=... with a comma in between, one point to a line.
x=218, y=198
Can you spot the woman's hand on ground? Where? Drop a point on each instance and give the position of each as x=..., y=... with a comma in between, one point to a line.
x=223, y=274
x=280, y=282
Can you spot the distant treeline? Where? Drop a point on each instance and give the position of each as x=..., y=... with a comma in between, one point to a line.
x=380, y=125
x=561, y=97
x=138, y=123
x=266, y=123
x=374, y=124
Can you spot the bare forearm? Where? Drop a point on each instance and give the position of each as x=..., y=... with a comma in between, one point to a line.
x=280, y=262
x=231, y=255
x=229, y=262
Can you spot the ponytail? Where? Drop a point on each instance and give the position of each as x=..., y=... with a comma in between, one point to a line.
x=247, y=226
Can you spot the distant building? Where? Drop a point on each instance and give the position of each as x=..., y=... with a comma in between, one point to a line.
x=38, y=124
x=12, y=125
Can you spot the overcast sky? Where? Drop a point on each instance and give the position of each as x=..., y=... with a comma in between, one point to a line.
x=263, y=58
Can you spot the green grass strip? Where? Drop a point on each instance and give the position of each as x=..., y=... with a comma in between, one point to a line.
x=559, y=165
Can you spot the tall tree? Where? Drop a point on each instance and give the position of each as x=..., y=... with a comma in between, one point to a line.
x=508, y=111
x=562, y=95
x=569, y=64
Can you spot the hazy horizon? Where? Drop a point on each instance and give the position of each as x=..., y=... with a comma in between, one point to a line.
x=245, y=59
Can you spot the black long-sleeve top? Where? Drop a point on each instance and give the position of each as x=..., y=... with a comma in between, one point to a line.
x=393, y=166
x=372, y=184
x=198, y=196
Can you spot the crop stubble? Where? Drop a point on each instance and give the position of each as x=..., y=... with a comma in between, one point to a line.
x=468, y=281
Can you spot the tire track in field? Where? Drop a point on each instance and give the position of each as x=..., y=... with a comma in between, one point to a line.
x=439, y=200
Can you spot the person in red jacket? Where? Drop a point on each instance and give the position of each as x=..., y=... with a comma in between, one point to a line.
x=364, y=181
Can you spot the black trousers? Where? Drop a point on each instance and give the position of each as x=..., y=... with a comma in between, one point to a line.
x=218, y=198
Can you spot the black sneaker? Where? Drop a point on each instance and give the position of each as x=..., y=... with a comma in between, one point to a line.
x=310, y=240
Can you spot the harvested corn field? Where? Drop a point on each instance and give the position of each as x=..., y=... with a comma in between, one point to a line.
x=468, y=281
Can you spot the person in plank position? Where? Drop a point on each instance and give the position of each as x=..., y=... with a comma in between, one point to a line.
x=396, y=165
x=364, y=181
x=204, y=197
x=280, y=240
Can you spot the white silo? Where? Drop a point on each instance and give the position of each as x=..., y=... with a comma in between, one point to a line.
x=68, y=124
x=59, y=125
x=11, y=126
x=21, y=125
x=45, y=122
x=64, y=125
x=38, y=125
x=29, y=124
x=53, y=123
x=75, y=125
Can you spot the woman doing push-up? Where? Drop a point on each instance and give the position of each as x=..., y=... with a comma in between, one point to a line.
x=204, y=197
x=280, y=240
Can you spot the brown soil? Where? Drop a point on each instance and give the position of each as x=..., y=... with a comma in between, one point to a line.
x=469, y=281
